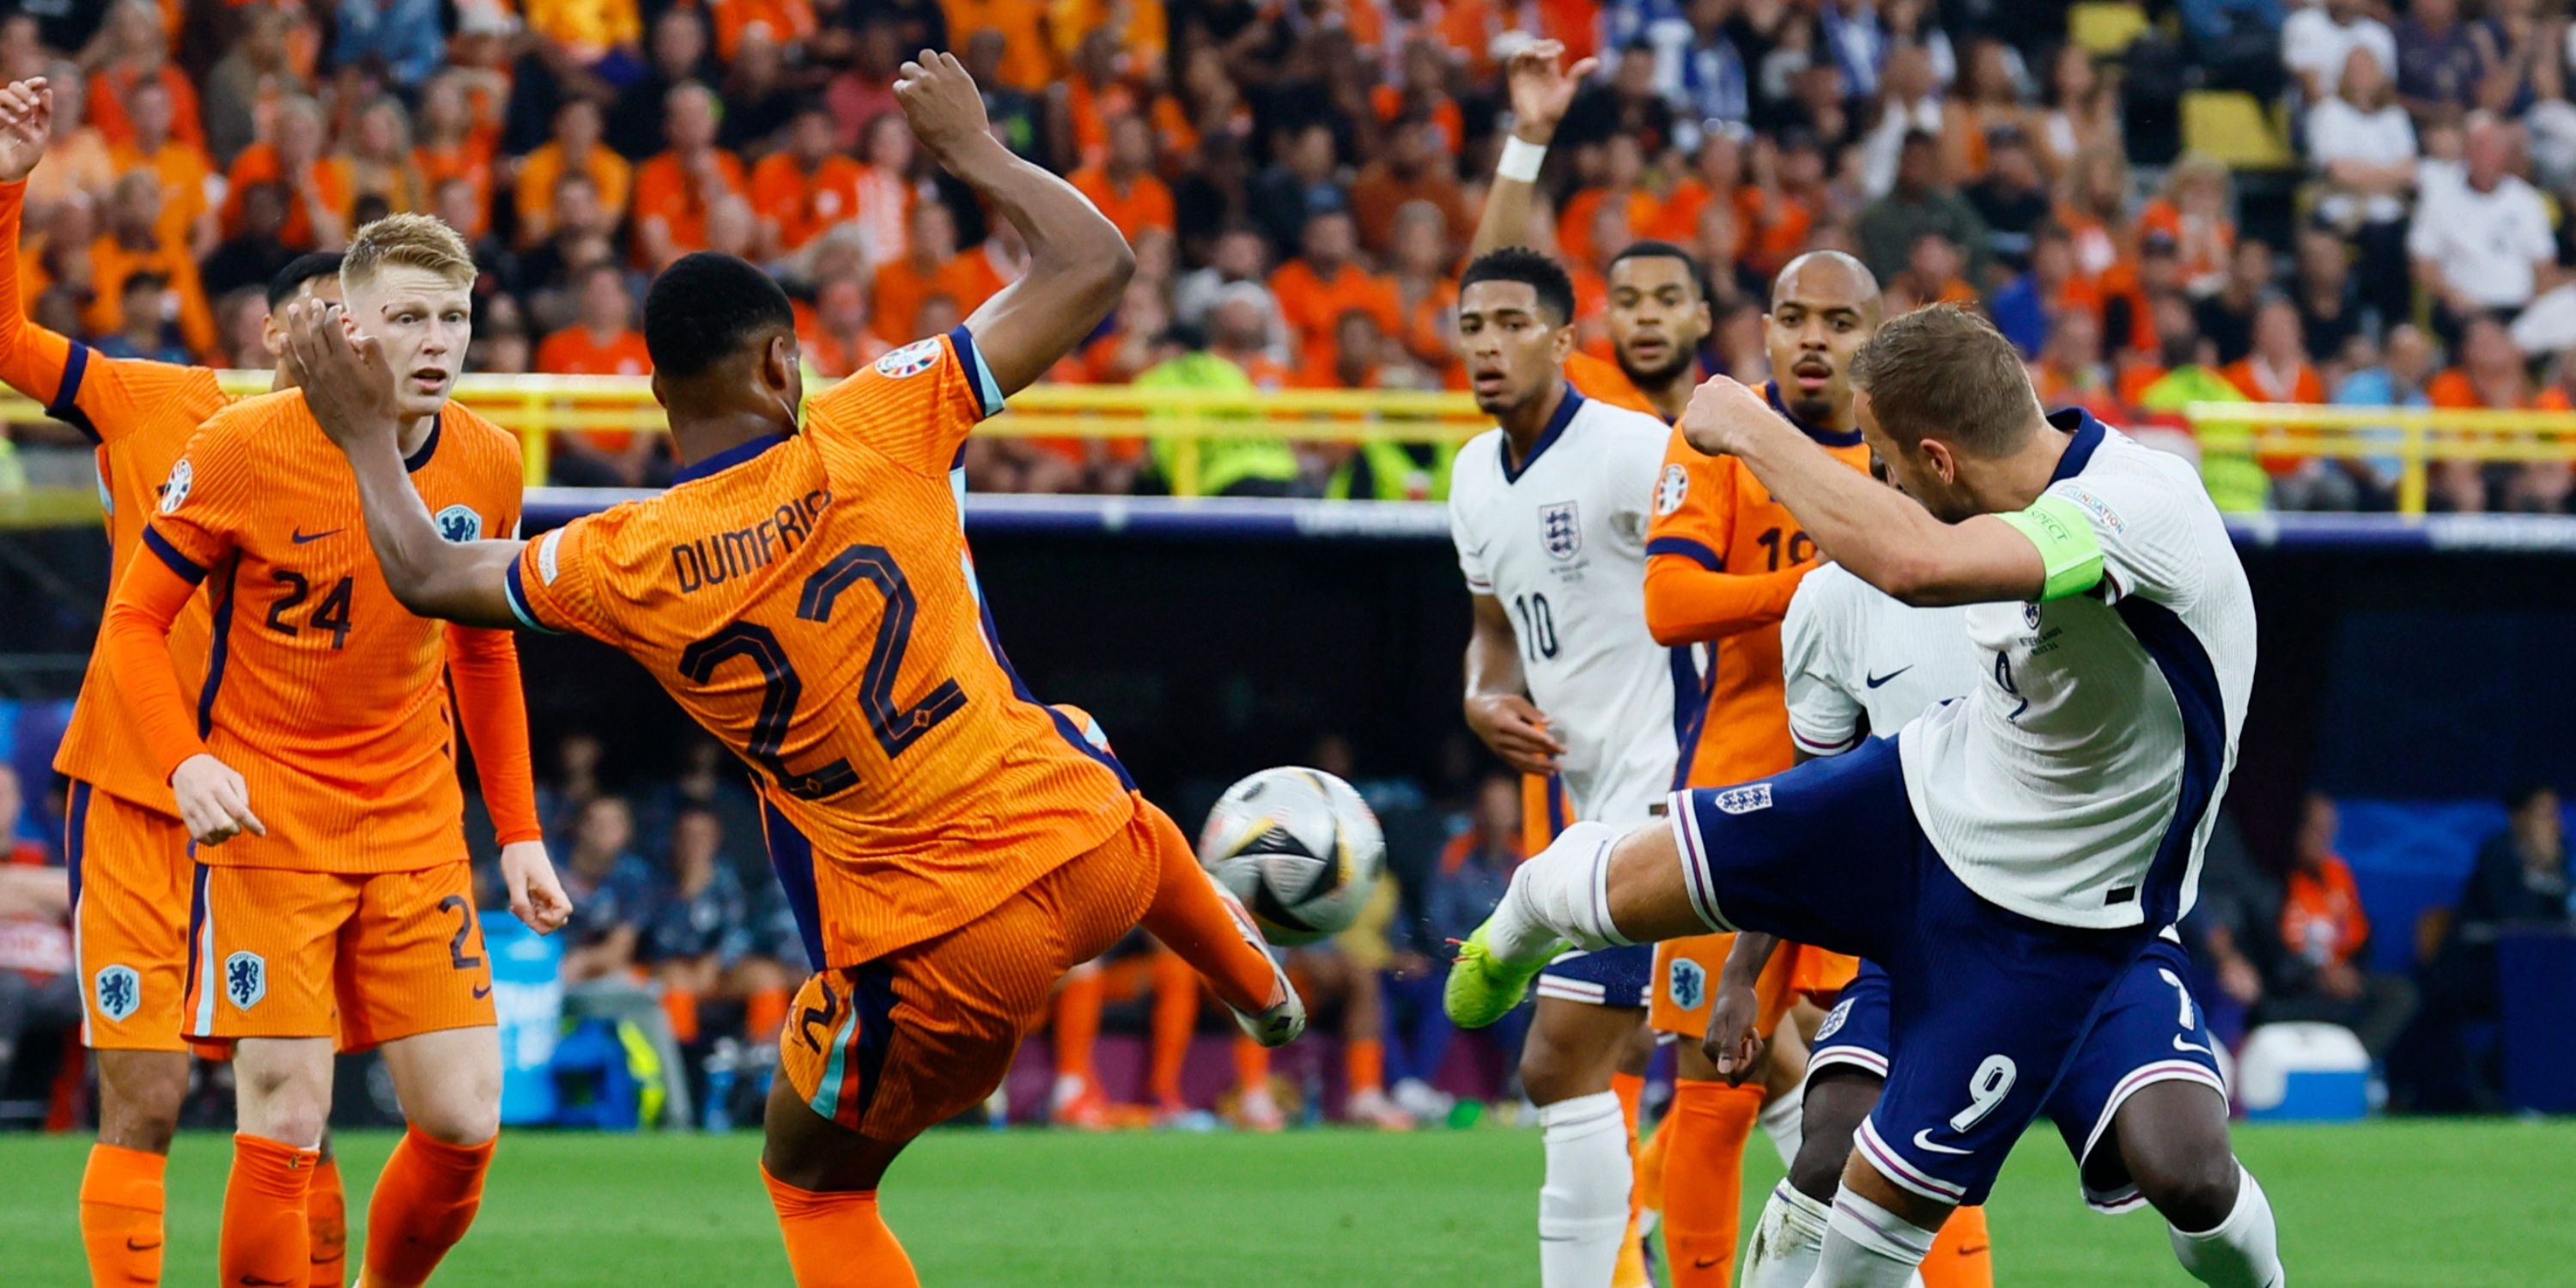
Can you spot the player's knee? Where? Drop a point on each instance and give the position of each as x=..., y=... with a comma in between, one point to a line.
x=463, y=1125
x=1838, y=1098
x=140, y=1094
x=2194, y=1190
x=1547, y=1076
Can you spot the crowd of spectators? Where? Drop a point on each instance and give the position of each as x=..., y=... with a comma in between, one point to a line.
x=1300, y=178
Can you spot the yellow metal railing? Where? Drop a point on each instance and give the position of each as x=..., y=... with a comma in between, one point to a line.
x=2414, y=437
x=1186, y=421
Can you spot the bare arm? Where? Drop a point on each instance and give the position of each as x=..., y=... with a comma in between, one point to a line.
x=1885, y=538
x=1540, y=93
x=1078, y=262
x=350, y=390
x=1497, y=703
x=1732, y=1041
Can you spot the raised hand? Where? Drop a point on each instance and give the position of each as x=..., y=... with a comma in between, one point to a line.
x=1721, y=412
x=941, y=102
x=346, y=381
x=1541, y=89
x=26, y=126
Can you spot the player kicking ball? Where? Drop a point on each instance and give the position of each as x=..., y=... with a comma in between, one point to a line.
x=950, y=845
x=2005, y=858
x=314, y=769
x=2143, y=1108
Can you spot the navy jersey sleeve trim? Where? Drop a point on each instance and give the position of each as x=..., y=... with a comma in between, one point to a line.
x=988, y=391
x=66, y=404
x=517, y=593
x=181, y=564
x=1688, y=548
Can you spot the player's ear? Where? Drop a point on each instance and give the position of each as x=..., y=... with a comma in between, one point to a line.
x=1561, y=344
x=778, y=361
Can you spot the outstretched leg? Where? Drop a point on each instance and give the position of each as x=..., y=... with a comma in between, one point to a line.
x=1213, y=933
x=822, y=1179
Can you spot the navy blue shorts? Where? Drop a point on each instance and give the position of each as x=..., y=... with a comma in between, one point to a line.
x=1610, y=977
x=2151, y=1032
x=1986, y=1008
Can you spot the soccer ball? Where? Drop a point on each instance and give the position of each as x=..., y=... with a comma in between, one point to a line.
x=1299, y=847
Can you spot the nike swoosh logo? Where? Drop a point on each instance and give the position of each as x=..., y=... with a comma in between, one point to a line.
x=1876, y=680
x=1971, y=1249
x=132, y=1246
x=2180, y=1045
x=482, y=991
x=301, y=536
x=254, y=1281
x=1923, y=1140
x=1704, y=1263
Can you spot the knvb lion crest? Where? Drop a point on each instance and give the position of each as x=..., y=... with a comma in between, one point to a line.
x=1687, y=982
x=119, y=990
x=1560, y=530
x=460, y=524
x=245, y=979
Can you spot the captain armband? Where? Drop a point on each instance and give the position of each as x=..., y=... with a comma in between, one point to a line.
x=2068, y=549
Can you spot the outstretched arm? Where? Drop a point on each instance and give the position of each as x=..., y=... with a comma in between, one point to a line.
x=1540, y=92
x=350, y=389
x=1882, y=536
x=1078, y=261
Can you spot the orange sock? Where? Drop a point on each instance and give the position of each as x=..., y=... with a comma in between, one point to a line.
x=1364, y=1065
x=1189, y=918
x=764, y=1014
x=1631, y=1271
x=1963, y=1256
x=1704, y=1178
x=838, y=1240
x=424, y=1199
x=1176, y=1016
x=1077, y=1025
x=265, y=1233
x=121, y=1198
x=1251, y=1065
x=326, y=1224
x=1650, y=1166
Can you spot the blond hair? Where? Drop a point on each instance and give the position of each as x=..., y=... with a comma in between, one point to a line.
x=406, y=241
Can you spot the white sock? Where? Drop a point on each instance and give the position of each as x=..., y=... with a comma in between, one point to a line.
x=2243, y=1252
x=1784, y=1120
x=1867, y=1246
x=1583, y=1207
x=1786, y=1241
x=1557, y=897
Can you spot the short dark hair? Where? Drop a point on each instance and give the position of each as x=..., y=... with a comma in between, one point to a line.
x=145, y=281
x=1536, y=271
x=1946, y=371
x=706, y=307
x=1664, y=250
x=298, y=271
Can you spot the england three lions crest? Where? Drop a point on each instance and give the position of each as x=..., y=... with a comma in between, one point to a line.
x=1560, y=529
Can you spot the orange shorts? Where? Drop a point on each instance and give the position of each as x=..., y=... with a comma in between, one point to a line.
x=893, y=1047
x=129, y=876
x=1822, y=973
x=1686, y=968
x=367, y=958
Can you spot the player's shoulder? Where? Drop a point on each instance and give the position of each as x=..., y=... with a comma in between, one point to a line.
x=477, y=438
x=1610, y=419
x=2122, y=482
x=1478, y=466
x=252, y=425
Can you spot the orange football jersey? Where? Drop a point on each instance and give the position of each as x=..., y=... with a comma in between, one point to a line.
x=321, y=689
x=140, y=415
x=1597, y=378
x=810, y=601
x=1713, y=517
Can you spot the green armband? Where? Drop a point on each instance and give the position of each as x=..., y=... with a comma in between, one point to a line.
x=2068, y=549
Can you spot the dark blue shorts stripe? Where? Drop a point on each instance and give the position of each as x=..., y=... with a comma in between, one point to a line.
x=791, y=855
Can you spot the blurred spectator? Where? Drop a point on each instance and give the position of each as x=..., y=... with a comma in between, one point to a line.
x=1299, y=186
x=2193, y=211
x=2186, y=372
x=1623, y=106
x=840, y=340
x=574, y=151
x=759, y=99
x=257, y=72
x=676, y=190
x=638, y=123
x=1124, y=185
x=134, y=48
x=252, y=256
x=2522, y=880
x=1930, y=276
x=1426, y=290
x=381, y=163
x=133, y=244
x=697, y=926
x=186, y=219
x=2013, y=199
x=1234, y=361
x=2442, y=62
x=79, y=162
x=1416, y=167
x=2363, y=148
x=40, y=987
x=1985, y=101
x=320, y=188
x=2226, y=316
x=1911, y=104
x=241, y=318
x=142, y=334
x=2318, y=41
x=2096, y=210
x=2328, y=293
x=2491, y=373
x=2405, y=364
x=397, y=40
x=2071, y=373
x=611, y=888
x=1921, y=202
x=452, y=144
x=1237, y=255
x=2484, y=244
x=2277, y=370
x=2324, y=930
x=2081, y=109
x=930, y=267
x=1325, y=281
x=2032, y=305
x=603, y=342
x=804, y=188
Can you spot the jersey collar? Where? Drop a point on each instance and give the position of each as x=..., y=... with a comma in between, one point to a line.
x=726, y=459
x=429, y=445
x=1823, y=437
x=1565, y=410
x=2079, y=453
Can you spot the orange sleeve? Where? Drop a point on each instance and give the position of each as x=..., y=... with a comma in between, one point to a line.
x=136, y=638
x=484, y=667
x=33, y=360
x=196, y=317
x=1690, y=596
x=913, y=406
x=557, y=586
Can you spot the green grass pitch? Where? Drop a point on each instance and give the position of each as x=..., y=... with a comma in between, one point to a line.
x=2400, y=1205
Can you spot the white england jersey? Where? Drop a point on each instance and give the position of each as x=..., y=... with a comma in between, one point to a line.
x=1562, y=543
x=1859, y=663
x=2078, y=782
